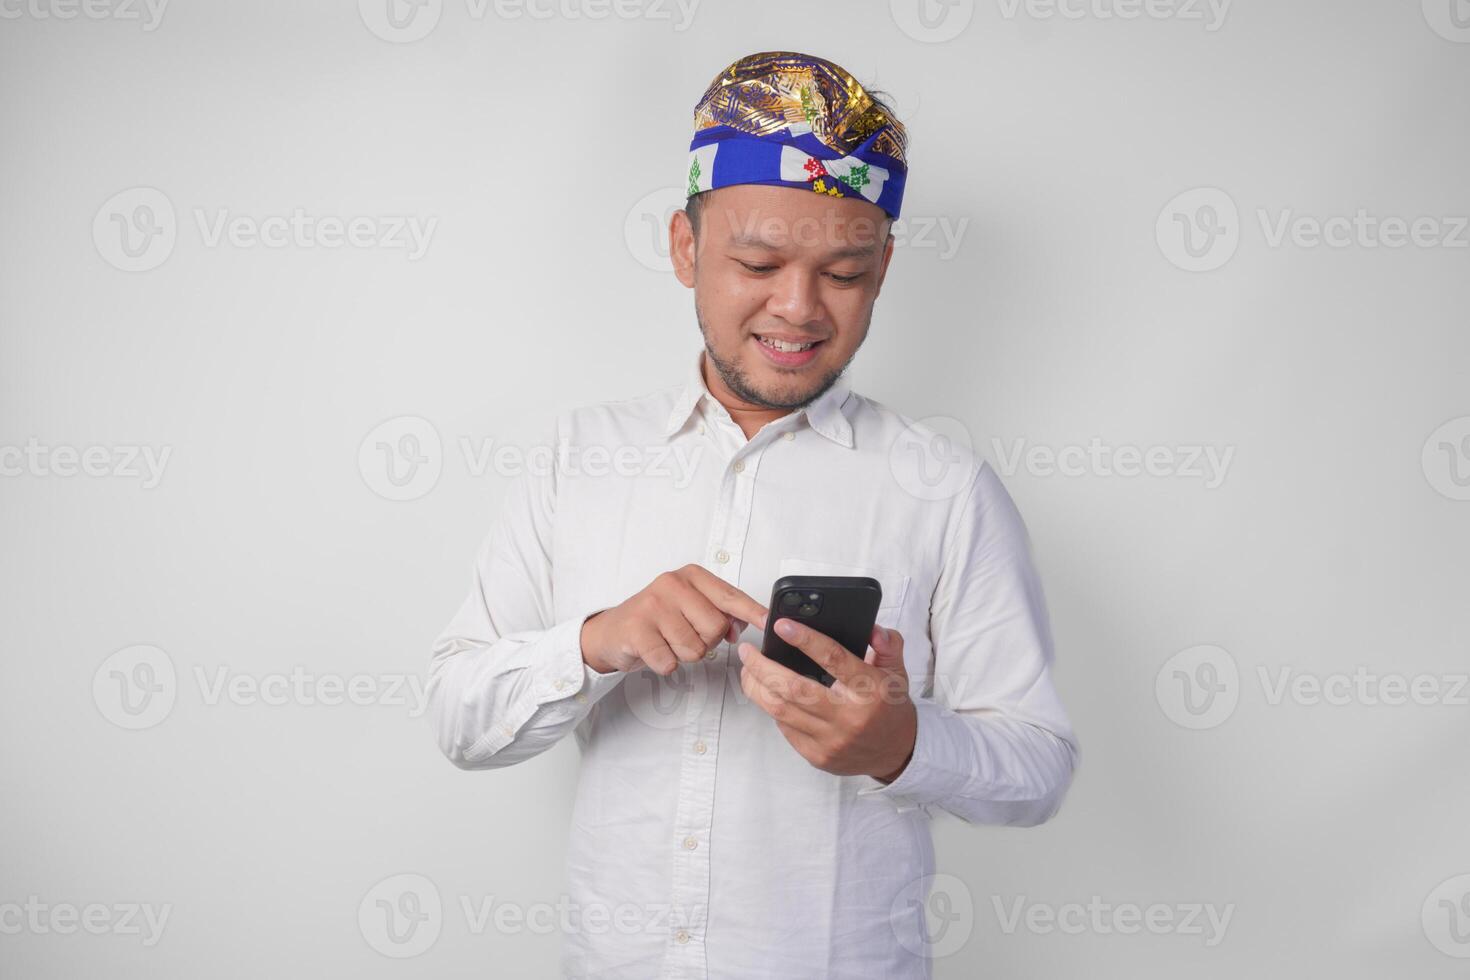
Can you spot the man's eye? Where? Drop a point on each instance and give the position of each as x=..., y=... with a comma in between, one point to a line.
x=844, y=280
x=757, y=268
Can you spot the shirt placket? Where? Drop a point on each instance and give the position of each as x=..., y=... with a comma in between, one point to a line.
x=694, y=818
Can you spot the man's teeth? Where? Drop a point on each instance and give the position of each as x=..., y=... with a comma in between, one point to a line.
x=783, y=346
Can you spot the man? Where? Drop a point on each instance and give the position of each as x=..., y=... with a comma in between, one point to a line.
x=733, y=818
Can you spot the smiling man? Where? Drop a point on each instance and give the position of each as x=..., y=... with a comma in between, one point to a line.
x=733, y=818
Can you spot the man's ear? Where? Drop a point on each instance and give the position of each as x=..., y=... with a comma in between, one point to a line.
x=887, y=255
x=681, y=247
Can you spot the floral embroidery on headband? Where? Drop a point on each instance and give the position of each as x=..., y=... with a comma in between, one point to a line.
x=857, y=177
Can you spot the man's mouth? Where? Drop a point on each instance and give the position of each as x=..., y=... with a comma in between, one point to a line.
x=787, y=353
x=787, y=346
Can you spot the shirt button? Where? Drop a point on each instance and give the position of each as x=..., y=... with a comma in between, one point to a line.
x=788, y=435
x=690, y=843
x=559, y=684
x=722, y=556
x=739, y=466
x=699, y=748
x=711, y=654
x=682, y=936
x=701, y=428
x=582, y=698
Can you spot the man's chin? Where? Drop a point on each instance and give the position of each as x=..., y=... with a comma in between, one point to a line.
x=779, y=389
x=756, y=381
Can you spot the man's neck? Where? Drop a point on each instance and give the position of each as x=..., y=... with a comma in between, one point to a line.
x=749, y=417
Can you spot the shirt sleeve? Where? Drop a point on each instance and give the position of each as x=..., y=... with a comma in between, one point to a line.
x=506, y=681
x=994, y=745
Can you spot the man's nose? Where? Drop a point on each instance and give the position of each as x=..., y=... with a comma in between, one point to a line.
x=794, y=297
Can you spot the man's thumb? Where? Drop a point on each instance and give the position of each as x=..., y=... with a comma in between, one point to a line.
x=887, y=649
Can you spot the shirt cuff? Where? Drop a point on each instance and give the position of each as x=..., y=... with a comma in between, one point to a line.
x=570, y=675
x=926, y=779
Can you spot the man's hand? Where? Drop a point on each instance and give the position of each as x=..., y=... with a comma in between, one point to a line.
x=864, y=724
x=679, y=617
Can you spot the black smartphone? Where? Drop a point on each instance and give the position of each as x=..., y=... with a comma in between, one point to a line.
x=844, y=607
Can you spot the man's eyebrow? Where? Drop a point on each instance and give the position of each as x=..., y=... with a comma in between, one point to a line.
x=855, y=251
x=743, y=240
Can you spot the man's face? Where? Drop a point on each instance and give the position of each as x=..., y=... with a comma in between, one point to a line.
x=784, y=282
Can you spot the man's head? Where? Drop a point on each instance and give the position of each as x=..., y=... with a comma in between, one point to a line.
x=773, y=265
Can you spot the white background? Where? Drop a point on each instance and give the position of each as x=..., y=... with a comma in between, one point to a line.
x=1055, y=141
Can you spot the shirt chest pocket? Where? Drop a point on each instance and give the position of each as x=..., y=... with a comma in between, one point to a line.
x=895, y=584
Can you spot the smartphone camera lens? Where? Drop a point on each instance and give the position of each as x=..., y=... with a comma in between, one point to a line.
x=798, y=603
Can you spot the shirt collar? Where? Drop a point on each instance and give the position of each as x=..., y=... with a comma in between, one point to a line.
x=824, y=415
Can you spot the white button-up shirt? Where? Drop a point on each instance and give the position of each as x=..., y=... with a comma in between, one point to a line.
x=703, y=845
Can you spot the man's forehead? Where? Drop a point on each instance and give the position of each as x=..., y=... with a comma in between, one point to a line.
x=781, y=218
